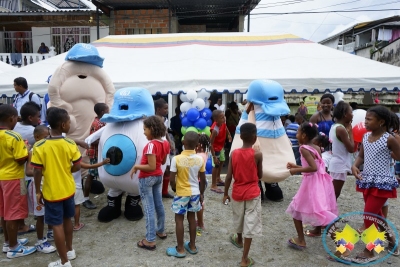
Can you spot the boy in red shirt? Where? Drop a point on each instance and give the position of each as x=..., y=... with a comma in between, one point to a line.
x=245, y=165
x=217, y=141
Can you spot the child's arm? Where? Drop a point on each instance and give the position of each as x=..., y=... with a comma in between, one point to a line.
x=149, y=167
x=76, y=167
x=172, y=181
x=259, y=159
x=228, y=180
x=37, y=175
x=345, y=135
x=394, y=146
x=359, y=160
x=228, y=134
x=94, y=166
x=81, y=143
x=309, y=157
x=202, y=176
x=28, y=167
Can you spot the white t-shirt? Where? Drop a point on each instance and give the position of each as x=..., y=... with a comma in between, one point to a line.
x=26, y=131
x=77, y=179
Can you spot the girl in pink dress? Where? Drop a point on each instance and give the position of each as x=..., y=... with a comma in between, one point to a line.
x=315, y=201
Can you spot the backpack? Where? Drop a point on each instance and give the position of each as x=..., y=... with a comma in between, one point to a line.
x=30, y=98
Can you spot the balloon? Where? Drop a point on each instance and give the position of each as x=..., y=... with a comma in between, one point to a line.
x=192, y=129
x=358, y=116
x=198, y=104
x=183, y=97
x=185, y=107
x=207, y=104
x=359, y=131
x=183, y=130
x=192, y=114
x=182, y=115
x=200, y=124
x=191, y=95
x=338, y=97
x=209, y=122
x=206, y=131
x=209, y=166
x=186, y=123
x=206, y=114
x=203, y=94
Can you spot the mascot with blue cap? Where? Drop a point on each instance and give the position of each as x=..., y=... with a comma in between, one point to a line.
x=122, y=141
x=266, y=105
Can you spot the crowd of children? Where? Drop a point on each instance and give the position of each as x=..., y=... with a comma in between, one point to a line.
x=55, y=193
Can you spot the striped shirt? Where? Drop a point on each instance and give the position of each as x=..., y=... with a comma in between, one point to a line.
x=291, y=131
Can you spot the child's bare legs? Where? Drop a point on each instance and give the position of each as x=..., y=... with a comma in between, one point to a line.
x=39, y=227
x=219, y=172
x=338, y=185
x=10, y=231
x=179, y=229
x=191, y=216
x=63, y=238
x=200, y=221
x=300, y=233
x=246, y=248
x=77, y=216
x=385, y=210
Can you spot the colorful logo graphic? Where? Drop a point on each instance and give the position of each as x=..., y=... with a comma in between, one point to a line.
x=348, y=230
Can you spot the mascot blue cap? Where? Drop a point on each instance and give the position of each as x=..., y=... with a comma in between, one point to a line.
x=86, y=53
x=130, y=104
x=269, y=95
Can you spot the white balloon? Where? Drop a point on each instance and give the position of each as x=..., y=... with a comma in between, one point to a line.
x=183, y=97
x=191, y=95
x=338, y=97
x=207, y=104
x=203, y=94
x=185, y=106
x=358, y=116
x=198, y=104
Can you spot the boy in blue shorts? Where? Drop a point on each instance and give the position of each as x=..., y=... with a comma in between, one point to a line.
x=187, y=167
x=56, y=158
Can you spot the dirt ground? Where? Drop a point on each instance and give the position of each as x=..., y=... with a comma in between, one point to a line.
x=114, y=244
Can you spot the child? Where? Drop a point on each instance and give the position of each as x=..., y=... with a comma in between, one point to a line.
x=322, y=141
x=314, y=202
x=42, y=245
x=245, y=165
x=100, y=109
x=161, y=110
x=291, y=131
x=186, y=167
x=52, y=158
x=201, y=150
x=341, y=134
x=150, y=180
x=13, y=193
x=375, y=181
x=218, y=137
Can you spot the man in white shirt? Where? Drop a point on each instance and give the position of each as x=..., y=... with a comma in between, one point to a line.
x=219, y=105
x=24, y=94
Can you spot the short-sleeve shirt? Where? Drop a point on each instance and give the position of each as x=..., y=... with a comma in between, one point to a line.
x=12, y=150
x=26, y=131
x=291, y=132
x=159, y=148
x=187, y=166
x=55, y=156
x=219, y=141
x=20, y=100
x=96, y=125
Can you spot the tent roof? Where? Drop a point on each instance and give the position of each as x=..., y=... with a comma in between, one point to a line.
x=4, y=67
x=165, y=63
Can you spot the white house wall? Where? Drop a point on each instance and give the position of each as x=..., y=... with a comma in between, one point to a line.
x=104, y=31
x=40, y=35
x=365, y=52
x=333, y=43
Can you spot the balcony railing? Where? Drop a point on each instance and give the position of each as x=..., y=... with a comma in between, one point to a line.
x=23, y=59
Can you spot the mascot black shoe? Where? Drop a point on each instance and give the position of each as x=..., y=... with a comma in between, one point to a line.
x=133, y=211
x=112, y=210
x=273, y=192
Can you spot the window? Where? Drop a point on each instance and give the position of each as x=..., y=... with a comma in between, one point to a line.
x=64, y=38
x=18, y=42
x=143, y=31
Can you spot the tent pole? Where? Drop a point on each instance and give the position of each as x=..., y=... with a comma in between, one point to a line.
x=248, y=22
x=98, y=23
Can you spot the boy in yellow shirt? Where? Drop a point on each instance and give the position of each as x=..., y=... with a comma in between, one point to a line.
x=52, y=158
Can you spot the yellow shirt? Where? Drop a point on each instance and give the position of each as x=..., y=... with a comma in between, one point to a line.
x=187, y=166
x=12, y=150
x=56, y=156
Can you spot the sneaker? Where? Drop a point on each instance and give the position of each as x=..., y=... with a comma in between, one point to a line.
x=44, y=246
x=71, y=255
x=50, y=236
x=58, y=264
x=20, y=251
x=21, y=241
x=89, y=205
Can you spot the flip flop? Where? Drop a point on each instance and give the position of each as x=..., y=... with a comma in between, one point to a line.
x=221, y=184
x=233, y=239
x=311, y=234
x=186, y=245
x=251, y=263
x=217, y=190
x=343, y=260
x=175, y=253
x=293, y=244
x=31, y=228
x=162, y=236
x=80, y=226
x=395, y=253
x=140, y=244
x=362, y=259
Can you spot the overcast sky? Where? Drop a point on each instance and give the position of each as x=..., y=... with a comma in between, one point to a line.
x=316, y=27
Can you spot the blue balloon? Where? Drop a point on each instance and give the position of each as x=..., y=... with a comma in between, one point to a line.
x=186, y=122
x=206, y=114
x=209, y=166
x=200, y=124
x=192, y=114
x=182, y=115
x=209, y=123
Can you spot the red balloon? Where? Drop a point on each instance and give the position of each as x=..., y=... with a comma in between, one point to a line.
x=359, y=131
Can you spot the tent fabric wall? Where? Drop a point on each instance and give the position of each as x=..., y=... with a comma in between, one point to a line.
x=226, y=62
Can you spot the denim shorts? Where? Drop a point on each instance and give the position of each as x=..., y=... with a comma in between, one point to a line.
x=56, y=212
x=181, y=205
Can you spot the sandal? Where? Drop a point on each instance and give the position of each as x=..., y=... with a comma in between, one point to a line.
x=220, y=183
x=79, y=227
x=174, y=252
x=390, y=250
x=343, y=260
x=292, y=243
x=217, y=190
x=162, y=236
x=361, y=259
x=31, y=228
x=233, y=239
x=251, y=263
x=311, y=234
x=186, y=245
x=140, y=244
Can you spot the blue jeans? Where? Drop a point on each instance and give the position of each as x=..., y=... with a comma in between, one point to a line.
x=150, y=193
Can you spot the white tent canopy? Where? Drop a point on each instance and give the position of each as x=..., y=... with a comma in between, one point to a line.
x=227, y=62
x=4, y=67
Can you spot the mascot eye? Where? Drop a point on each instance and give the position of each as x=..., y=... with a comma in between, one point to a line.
x=122, y=154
